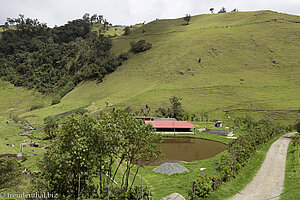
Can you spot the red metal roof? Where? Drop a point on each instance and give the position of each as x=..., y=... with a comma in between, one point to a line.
x=170, y=124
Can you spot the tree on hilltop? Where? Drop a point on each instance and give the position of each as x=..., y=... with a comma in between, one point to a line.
x=187, y=18
x=222, y=10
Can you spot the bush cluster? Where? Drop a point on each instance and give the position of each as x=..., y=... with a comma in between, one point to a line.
x=239, y=153
x=140, y=46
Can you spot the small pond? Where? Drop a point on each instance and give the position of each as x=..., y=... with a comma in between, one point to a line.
x=187, y=150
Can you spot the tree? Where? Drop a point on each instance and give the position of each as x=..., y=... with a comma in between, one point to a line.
x=211, y=10
x=140, y=46
x=127, y=30
x=222, y=10
x=68, y=165
x=86, y=148
x=10, y=173
x=86, y=17
x=50, y=126
x=176, y=110
x=187, y=18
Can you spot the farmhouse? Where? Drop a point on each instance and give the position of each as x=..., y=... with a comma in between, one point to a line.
x=172, y=127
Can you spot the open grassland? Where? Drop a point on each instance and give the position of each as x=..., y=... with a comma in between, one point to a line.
x=249, y=64
x=292, y=174
x=9, y=135
x=114, y=30
x=17, y=100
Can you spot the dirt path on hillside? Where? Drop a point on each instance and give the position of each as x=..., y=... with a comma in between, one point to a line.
x=269, y=180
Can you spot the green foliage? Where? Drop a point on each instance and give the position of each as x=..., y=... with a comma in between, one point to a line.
x=121, y=193
x=123, y=56
x=56, y=99
x=297, y=126
x=10, y=173
x=54, y=60
x=86, y=148
x=187, y=18
x=296, y=140
x=140, y=46
x=202, y=187
x=50, y=126
x=127, y=30
x=175, y=110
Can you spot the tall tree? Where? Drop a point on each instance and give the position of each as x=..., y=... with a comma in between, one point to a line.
x=176, y=110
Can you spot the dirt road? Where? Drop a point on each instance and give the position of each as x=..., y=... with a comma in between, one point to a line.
x=269, y=180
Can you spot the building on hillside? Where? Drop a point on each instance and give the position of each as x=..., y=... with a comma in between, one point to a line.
x=172, y=127
x=145, y=118
x=219, y=124
x=155, y=118
x=219, y=132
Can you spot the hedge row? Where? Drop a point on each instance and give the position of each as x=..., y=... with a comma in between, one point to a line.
x=239, y=152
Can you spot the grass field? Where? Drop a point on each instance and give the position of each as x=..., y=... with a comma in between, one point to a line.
x=17, y=100
x=249, y=65
x=291, y=189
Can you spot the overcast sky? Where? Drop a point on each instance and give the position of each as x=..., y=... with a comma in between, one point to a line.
x=129, y=12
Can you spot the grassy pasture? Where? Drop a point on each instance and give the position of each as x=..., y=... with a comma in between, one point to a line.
x=249, y=64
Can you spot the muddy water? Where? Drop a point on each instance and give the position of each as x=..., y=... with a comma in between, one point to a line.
x=187, y=150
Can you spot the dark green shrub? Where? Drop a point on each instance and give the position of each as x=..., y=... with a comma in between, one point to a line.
x=51, y=126
x=202, y=187
x=56, y=99
x=123, y=56
x=10, y=173
x=127, y=30
x=36, y=106
x=217, y=182
x=140, y=46
x=297, y=127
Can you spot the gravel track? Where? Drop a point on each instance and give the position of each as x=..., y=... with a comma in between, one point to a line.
x=269, y=180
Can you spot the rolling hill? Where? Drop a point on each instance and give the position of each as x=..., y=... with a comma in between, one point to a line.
x=244, y=62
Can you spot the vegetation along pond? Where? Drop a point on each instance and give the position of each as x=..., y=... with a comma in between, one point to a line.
x=187, y=150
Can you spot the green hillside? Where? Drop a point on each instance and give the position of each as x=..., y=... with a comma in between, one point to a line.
x=17, y=100
x=249, y=64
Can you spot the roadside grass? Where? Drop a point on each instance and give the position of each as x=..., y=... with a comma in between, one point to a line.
x=291, y=189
